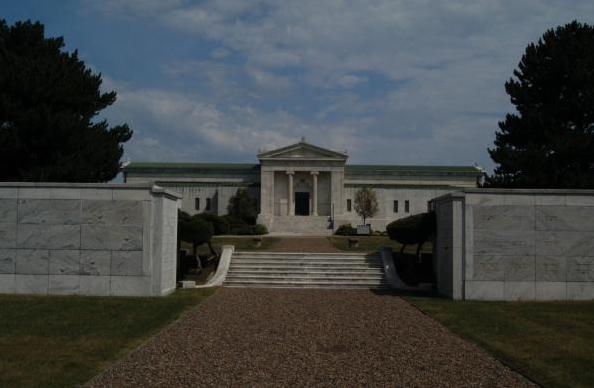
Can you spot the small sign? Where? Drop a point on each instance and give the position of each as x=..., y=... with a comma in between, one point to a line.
x=363, y=229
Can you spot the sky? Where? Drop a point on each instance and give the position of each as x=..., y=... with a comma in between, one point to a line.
x=388, y=81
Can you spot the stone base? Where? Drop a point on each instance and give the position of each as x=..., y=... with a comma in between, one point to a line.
x=300, y=225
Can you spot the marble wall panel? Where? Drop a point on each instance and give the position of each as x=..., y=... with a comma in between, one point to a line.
x=31, y=284
x=489, y=267
x=64, y=262
x=64, y=284
x=551, y=268
x=32, y=261
x=519, y=268
x=124, y=238
x=558, y=243
x=580, y=269
x=504, y=242
x=8, y=210
x=8, y=235
x=503, y=217
x=96, y=263
x=7, y=260
x=519, y=290
x=126, y=263
x=565, y=218
x=48, y=236
x=112, y=212
x=49, y=211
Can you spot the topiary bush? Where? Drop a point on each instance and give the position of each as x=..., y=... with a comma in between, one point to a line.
x=412, y=230
x=195, y=230
x=260, y=229
x=242, y=230
x=221, y=224
x=346, y=230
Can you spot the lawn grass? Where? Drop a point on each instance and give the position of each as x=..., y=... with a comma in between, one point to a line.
x=373, y=244
x=63, y=341
x=550, y=342
x=241, y=243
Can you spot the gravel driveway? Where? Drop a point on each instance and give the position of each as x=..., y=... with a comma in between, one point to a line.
x=285, y=337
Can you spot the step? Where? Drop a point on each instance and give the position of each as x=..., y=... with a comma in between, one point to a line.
x=331, y=271
x=294, y=254
x=304, y=281
x=314, y=286
x=304, y=267
x=305, y=277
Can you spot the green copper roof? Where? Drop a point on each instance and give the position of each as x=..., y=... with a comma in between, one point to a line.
x=180, y=168
x=208, y=166
x=355, y=168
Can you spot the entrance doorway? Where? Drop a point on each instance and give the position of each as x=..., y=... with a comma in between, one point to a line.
x=301, y=204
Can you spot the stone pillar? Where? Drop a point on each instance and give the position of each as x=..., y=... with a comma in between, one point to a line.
x=336, y=192
x=267, y=192
x=290, y=204
x=314, y=201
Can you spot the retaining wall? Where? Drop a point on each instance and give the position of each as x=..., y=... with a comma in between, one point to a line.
x=499, y=244
x=87, y=239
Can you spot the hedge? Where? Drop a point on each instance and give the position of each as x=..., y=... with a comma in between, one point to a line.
x=412, y=230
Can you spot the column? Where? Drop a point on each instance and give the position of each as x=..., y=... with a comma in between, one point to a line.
x=314, y=201
x=290, y=194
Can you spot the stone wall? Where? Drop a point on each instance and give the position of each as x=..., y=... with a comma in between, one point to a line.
x=88, y=239
x=516, y=244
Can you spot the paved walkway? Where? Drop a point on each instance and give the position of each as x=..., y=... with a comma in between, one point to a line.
x=264, y=337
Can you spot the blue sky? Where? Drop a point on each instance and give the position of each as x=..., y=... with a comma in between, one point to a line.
x=389, y=81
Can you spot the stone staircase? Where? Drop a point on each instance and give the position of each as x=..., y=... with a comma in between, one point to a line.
x=302, y=225
x=305, y=270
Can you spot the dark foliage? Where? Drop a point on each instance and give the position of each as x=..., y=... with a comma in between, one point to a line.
x=412, y=230
x=414, y=269
x=195, y=230
x=220, y=224
x=346, y=230
x=549, y=143
x=242, y=206
x=260, y=229
x=48, y=99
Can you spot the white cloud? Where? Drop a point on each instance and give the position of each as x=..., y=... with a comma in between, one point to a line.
x=441, y=64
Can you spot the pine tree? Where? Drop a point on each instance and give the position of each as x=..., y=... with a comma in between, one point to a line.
x=48, y=100
x=549, y=143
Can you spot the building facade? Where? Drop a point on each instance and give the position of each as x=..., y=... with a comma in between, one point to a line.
x=306, y=189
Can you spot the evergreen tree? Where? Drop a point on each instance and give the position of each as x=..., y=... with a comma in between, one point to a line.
x=549, y=143
x=48, y=99
x=242, y=206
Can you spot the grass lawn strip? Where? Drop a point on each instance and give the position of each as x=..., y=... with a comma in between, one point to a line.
x=550, y=342
x=58, y=341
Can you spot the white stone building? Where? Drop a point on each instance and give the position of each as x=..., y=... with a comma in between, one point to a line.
x=303, y=188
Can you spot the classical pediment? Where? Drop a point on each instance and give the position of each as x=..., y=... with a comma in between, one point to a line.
x=302, y=151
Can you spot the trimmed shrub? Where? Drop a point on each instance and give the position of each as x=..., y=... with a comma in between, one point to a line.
x=412, y=230
x=220, y=224
x=243, y=206
x=242, y=230
x=260, y=229
x=346, y=230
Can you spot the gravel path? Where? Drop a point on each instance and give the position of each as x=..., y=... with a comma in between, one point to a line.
x=265, y=337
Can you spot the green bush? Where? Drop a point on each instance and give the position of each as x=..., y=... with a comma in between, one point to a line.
x=220, y=224
x=260, y=229
x=242, y=230
x=412, y=230
x=346, y=230
x=243, y=206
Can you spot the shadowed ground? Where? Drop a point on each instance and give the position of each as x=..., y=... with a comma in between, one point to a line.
x=285, y=337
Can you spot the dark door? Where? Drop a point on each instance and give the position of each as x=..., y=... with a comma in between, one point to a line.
x=302, y=204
